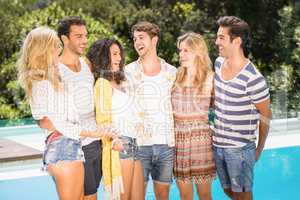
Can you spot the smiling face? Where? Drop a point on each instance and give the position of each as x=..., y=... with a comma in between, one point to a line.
x=143, y=43
x=115, y=57
x=186, y=55
x=77, y=40
x=224, y=43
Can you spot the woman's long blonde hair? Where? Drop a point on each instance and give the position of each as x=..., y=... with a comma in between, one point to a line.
x=36, y=62
x=202, y=61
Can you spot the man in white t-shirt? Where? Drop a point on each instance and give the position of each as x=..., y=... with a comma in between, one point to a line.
x=150, y=80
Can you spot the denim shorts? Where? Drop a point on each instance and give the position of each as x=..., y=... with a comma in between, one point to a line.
x=235, y=167
x=157, y=160
x=130, y=148
x=62, y=149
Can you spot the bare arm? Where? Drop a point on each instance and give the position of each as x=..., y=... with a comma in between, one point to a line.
x=264, y=122
x=45, y=123
x=99, y=133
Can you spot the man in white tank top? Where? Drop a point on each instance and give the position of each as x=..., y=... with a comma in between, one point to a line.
x=75, y=71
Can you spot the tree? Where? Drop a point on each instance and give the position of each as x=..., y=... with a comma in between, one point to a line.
x=10, y=11
x=12, y=102
x=274, y=24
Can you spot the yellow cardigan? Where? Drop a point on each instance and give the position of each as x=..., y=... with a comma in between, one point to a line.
x=111, y=168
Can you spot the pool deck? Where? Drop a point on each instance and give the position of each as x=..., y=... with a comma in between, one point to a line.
x=13, y=151
x=20, y=143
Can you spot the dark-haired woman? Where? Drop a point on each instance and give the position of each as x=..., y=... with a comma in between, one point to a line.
x=115, y=107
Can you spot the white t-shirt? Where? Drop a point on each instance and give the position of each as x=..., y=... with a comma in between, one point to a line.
x=83, y=82
x=155, y=92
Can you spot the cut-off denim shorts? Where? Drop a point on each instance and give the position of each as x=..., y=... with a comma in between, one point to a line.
x=62, y=149
x=130, y=148
x=235, y=167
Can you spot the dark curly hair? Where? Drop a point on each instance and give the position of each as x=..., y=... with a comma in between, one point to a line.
x=99, y=55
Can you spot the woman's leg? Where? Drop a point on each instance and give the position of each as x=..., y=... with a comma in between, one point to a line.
x=185, y=189
x=69, y=178
x=127, y=174
x=138, y=189
x=204, y=190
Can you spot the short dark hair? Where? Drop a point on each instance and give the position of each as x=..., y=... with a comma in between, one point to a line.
x=237, y=28
x=65, y=24
x=99, y=55
x=150, y=28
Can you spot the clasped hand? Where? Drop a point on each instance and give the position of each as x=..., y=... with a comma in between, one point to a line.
x=112, y=133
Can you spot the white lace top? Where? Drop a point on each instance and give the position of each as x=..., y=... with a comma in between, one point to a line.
x=57, y=106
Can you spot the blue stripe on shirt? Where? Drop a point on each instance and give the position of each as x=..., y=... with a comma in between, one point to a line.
x=234, y=103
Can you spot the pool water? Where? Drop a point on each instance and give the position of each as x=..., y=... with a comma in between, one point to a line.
x=277, y=177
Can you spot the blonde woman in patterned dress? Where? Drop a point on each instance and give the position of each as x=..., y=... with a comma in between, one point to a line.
x=191, y=97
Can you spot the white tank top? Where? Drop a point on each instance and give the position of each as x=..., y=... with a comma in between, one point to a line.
x=124, y=115
x=83, y=83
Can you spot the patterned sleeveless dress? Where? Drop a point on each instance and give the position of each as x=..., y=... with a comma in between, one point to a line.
x=193, y=138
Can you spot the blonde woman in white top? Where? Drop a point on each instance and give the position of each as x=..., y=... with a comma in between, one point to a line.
x=48, y=97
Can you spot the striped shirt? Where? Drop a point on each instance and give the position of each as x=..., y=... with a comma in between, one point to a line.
x=83, y=83
x=236, y=115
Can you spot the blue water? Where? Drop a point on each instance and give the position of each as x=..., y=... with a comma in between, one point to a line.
x=277, y=177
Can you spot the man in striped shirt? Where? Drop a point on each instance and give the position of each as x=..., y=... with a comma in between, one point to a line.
x=242, y=103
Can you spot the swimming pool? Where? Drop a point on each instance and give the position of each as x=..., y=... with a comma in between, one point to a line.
x=277, y=173
x=277, y=176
